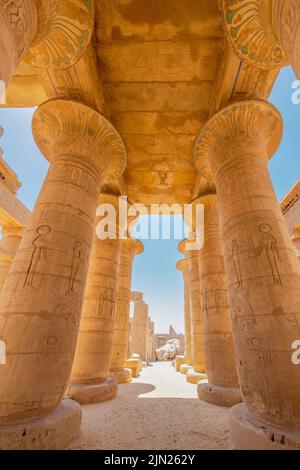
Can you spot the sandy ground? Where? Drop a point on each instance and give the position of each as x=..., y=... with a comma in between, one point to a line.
x=159, y=410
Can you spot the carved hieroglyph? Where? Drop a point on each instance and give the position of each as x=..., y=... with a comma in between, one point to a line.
x=129, y=249
x=264, y=33
x=183, y=266
x=18, y=23
x=286, y=23
x=263, y=273
x=41, y=300
x=195, y=303
x=216, y=322
x=47, y=33
x=64, y=30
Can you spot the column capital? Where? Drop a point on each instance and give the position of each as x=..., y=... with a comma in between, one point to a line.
x=132, y=247
x=182, y=246
x=182, y=265
x=64, y=30
x=246, y=127
x=189, y=253
x=66, y=128
x=250, y=29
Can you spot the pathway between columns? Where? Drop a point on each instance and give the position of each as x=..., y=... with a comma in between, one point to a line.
x=159, y=410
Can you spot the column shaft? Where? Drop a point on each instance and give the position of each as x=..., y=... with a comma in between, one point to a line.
x=139, y=326
x=42, y=296
x=41, y=300
x=94, y=347
x=187, y=317
x=223, y=386
x=121, y=328
x=197, y=332
x=262, y=269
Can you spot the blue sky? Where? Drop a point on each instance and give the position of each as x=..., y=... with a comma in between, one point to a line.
x=154, y=271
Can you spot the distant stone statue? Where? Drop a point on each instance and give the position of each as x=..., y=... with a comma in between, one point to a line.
x=168, y=351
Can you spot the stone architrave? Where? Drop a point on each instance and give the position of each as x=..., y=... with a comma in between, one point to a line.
x=264, y=33
x=45, y=33
x=129, y=249
x=262, y=271
x=221, y=386
x=41, y=300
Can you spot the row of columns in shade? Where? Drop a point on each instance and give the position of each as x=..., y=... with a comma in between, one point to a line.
x=42, y=297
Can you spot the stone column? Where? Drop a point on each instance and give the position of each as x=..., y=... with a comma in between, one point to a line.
x=139, y=326
x=296, y=240
x=198, y=371
x=183, y=266
x=90, y=381
x=11, y=238
x=262, y=270
x=40, y=33
x=41, y=300
x=129, y=249
x=265, y=34
x=150, y=343
x=221, y=386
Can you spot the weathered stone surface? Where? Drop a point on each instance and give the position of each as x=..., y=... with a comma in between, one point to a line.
x=129, y=249
x=139, y=328
x=134, y=365
x=53, y=432
x=41, y=300
x=183, y=265
x=198, y=360
x=94, y=393
x=193, y=377
x=94, y=348
x=216, y=322
x=184, y=368
x=122, y=376
x=168, y=351
x=262, y=270
x=248, y=434
x=218, y=395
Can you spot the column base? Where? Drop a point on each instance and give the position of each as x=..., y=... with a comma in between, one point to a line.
x=122, y=376
x=184, y=368
x=53, y=432
x=251, y=435
x=134, y=365
x=216, y=395
x=193, y=377
x=94, y=393
x=179, y=360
